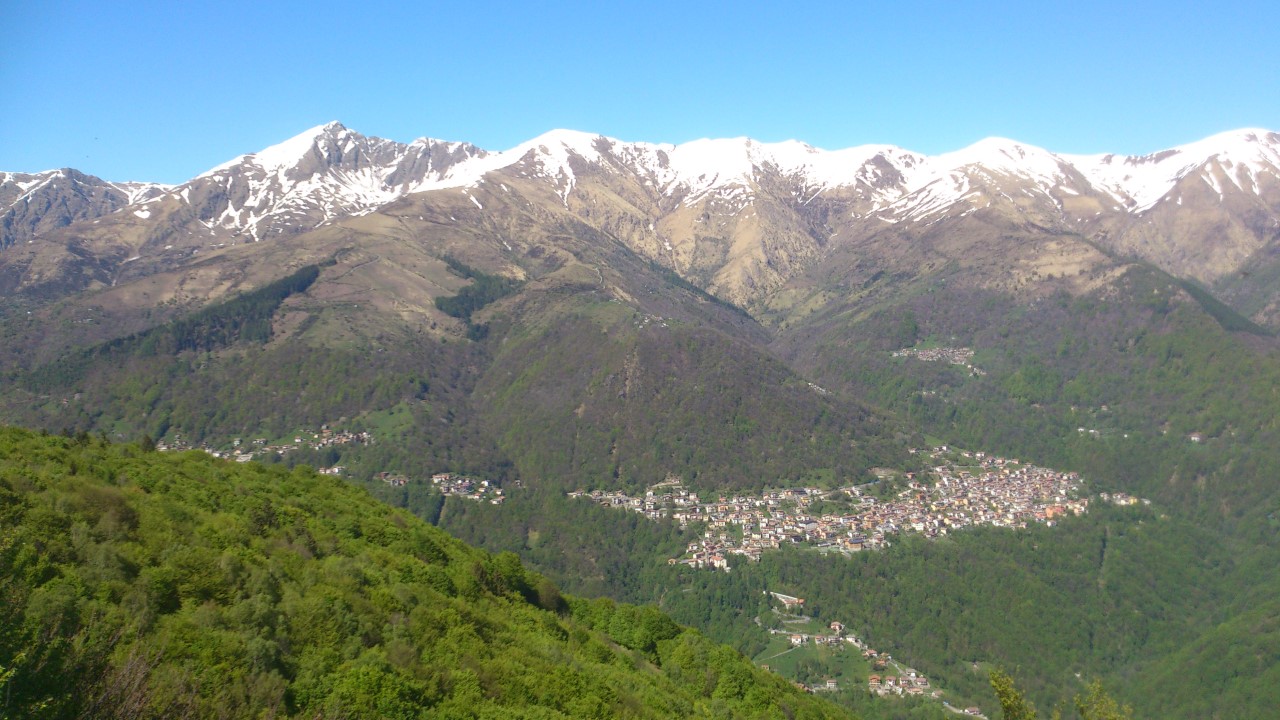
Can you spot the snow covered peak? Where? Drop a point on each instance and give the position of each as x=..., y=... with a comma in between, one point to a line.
x=990, y=152
x=739, y=158
x=35, y=203
x=702, y=165
x=1008, y=157
x=549, y=154
x=1141, y=181
x=693, y=169
x=22, y=187
x=930, y=186
x=575, y=140
x=553, y=150
x=289, y=152
x=281, y=154
x=1238, y=145
x=317, y=176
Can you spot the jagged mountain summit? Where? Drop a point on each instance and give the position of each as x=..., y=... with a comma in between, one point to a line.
x=736, y=216
x=306, y=181
x=343, y=172
x=32, y=204
x=1243, y=158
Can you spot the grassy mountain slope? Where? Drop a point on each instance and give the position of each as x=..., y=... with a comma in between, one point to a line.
x=144, y=585
x=584, y=365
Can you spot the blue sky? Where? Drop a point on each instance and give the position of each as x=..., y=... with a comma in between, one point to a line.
x=164, y=91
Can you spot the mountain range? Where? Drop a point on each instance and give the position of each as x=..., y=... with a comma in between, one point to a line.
x=738, y=217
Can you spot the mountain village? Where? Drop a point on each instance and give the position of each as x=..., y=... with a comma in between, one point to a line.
x=956, y=356
x=445, y=483
x=907, y=682
x=991, y=491
x=260, y=448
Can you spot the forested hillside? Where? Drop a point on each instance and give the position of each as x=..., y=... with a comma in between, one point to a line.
x=569, y=391
x=141, y=585
x=1145, y=388
x=1100, y=595
x=566, y=390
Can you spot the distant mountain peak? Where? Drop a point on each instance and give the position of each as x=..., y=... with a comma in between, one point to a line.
x=32, y=204
x=568, y=138
x=289, y=152
x=1140, y=182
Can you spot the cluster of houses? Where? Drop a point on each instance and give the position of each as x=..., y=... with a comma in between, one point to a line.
x=955, y=356
x=986, y=491
x=667, y=498
x=911, y=684
x=241, y=451
x=907, y=682
x=467, y=488
x=1122, y=499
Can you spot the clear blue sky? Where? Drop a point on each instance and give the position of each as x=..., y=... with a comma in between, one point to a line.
x=164, y=91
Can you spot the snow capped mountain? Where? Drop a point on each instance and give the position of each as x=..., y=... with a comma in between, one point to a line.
x=1238, y=157
x=23, y=187
x=34, y=203
x=330, y=172
x=695, y=169
x=736, y=215
x=325, y=173
x=908, y=185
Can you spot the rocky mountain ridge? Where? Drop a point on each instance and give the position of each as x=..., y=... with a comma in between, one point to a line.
x=32, y=204
x=738, y=217
x=349, y=173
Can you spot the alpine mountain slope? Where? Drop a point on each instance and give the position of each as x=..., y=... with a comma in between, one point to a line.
x=582, y=312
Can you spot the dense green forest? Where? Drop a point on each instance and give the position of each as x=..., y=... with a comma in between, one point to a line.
x=1111, y=590
x=588, y=403
x=142, y=585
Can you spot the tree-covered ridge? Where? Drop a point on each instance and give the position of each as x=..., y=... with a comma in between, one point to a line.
x=566, y=403
x=483, y=290
x=141, y=585
x=245, y=318
x=606, y=397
